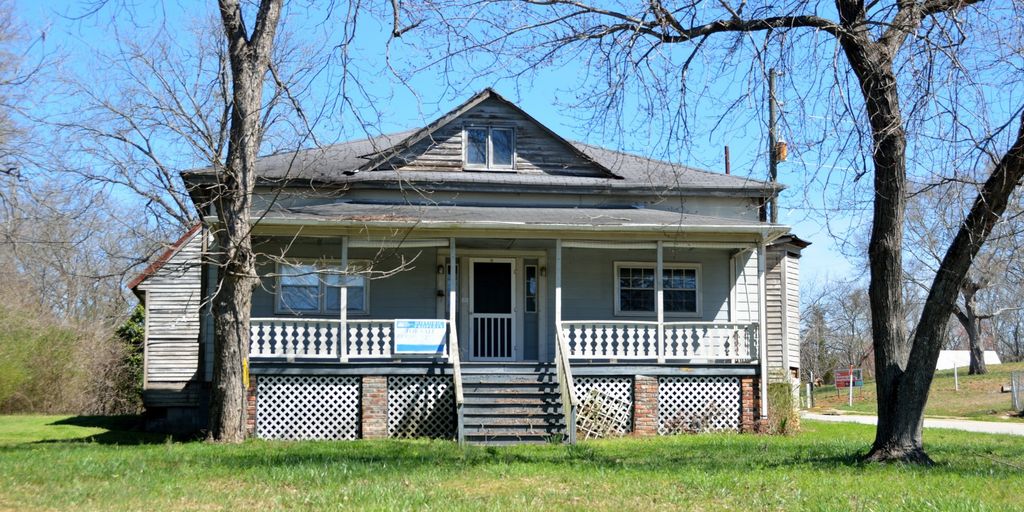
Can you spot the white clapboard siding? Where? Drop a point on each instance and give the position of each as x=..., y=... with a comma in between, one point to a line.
x=173, y=298
x=536, y=150
x=793, y=309
x=745, y=290
x=775, y=310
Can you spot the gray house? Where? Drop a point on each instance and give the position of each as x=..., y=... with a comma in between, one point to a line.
x=484, y=279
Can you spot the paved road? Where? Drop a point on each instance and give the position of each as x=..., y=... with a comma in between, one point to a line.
x=987, y=427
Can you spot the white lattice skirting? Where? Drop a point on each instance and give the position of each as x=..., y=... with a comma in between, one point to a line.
x=619, y=388
x=421, y=406
x=698, y=404
x=306, y=407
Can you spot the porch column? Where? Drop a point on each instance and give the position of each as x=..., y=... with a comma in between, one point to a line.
x=452, y=300
x=761, y=329
x=659, y=299
x=558, y=289
x=343, y=303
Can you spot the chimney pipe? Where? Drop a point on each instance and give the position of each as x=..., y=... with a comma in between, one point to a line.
x=727, y=169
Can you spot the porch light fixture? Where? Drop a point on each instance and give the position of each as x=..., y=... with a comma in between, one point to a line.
x=543, y=271
x=440, y=270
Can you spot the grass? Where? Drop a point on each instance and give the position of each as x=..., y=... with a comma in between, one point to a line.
x=979, y=397
x=60, y=463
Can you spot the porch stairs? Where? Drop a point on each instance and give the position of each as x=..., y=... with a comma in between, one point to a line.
x=511, y=403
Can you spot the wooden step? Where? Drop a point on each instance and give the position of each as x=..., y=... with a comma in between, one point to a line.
x=516, y=419
x=510, y=378
x=496, y=388
x=518, y=399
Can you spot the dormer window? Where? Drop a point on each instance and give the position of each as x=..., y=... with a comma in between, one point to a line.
x=489, y=147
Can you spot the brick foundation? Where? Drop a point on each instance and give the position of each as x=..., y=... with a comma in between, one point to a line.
x=750, y=406
x=374, y=407
x=645, y=406
x=250, y=408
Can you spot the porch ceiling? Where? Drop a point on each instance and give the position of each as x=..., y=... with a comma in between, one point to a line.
x=506, y=219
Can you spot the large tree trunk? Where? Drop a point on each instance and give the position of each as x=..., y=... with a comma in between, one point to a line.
x=899, y=428
x=250, y=61
x=902, y=403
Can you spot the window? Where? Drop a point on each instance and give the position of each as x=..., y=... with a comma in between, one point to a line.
x=635, y=289
x=489, y=147
x=531, y=288
x=310, y=288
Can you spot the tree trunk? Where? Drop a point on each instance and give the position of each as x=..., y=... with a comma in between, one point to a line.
x=968, y=317
x=898, y=435
x=903, y=403
x=250, y=61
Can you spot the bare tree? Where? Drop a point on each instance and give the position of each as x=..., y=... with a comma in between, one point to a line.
x=876, y=44
x=982, y=295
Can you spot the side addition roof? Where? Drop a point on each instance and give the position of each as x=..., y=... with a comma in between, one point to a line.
x=164, y=257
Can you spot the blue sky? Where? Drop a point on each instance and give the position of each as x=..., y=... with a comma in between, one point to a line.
x=426, y=95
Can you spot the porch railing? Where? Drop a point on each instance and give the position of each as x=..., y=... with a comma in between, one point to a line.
x=567, y=386
x=716, y=341
x=290, y=338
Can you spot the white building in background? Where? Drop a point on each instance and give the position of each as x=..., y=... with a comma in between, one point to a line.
x=962, y=359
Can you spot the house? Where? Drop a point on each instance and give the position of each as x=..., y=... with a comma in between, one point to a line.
x=485, y=279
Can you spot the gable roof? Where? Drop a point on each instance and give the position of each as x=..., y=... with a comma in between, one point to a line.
x=161, y=260
x=343, y=164
x=379, y=158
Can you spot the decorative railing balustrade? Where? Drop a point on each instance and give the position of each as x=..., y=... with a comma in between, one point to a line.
x=720, y=341
x=291, y=338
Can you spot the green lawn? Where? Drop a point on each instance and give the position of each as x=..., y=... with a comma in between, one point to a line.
x=979, y=397
x=52, y=463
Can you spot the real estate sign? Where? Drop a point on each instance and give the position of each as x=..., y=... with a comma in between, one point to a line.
x=426, y=337
x=848, y=378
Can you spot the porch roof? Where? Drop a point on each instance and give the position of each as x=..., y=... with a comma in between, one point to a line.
x=440, y=216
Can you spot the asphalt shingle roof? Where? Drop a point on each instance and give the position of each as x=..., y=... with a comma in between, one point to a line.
x=467, y=216
x=334, y=164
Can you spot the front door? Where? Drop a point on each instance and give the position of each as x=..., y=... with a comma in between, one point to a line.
x=492, y=315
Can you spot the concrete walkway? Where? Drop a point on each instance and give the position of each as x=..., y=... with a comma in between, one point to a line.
x=986, y=427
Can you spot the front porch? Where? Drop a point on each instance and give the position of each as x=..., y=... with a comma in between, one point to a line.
x=675, y=364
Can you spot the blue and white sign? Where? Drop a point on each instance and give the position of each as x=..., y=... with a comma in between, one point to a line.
x=427, y=337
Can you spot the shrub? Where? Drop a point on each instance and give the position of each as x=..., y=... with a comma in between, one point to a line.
x=782, y=414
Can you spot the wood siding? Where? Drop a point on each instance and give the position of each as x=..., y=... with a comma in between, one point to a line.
x=782, y=309
x=744, y=291
x=173, y=295
x=537, y=151
x=793, y=309
x=775, y=311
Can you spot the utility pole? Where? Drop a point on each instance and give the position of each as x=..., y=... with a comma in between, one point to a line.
x=773, y=141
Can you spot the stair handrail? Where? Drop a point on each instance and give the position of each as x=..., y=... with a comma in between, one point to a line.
x=456, y=360
x=566, y=383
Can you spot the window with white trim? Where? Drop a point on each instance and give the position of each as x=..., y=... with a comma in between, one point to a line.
x=316, y=288
x=489, y=147
x=635, y=289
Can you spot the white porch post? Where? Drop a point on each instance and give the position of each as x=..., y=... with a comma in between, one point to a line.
x=343, y=303
x=761, y=328
x=558, y=289
x=659, y=299
x=452, y=300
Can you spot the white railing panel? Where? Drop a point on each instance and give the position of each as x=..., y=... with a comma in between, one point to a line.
x=298, y=338
x=639, y=340
x=291, y=338
x=370, y=339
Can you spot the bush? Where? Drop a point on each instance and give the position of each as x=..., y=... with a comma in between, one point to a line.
x=782, y=414
x=50, y=366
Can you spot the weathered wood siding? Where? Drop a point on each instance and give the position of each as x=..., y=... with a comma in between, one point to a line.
x=775, y=310
x=793, y=309
x=537, y=151
x=173, y=299
x=782, y=309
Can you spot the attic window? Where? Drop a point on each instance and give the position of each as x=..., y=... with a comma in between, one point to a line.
x=488, y=147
